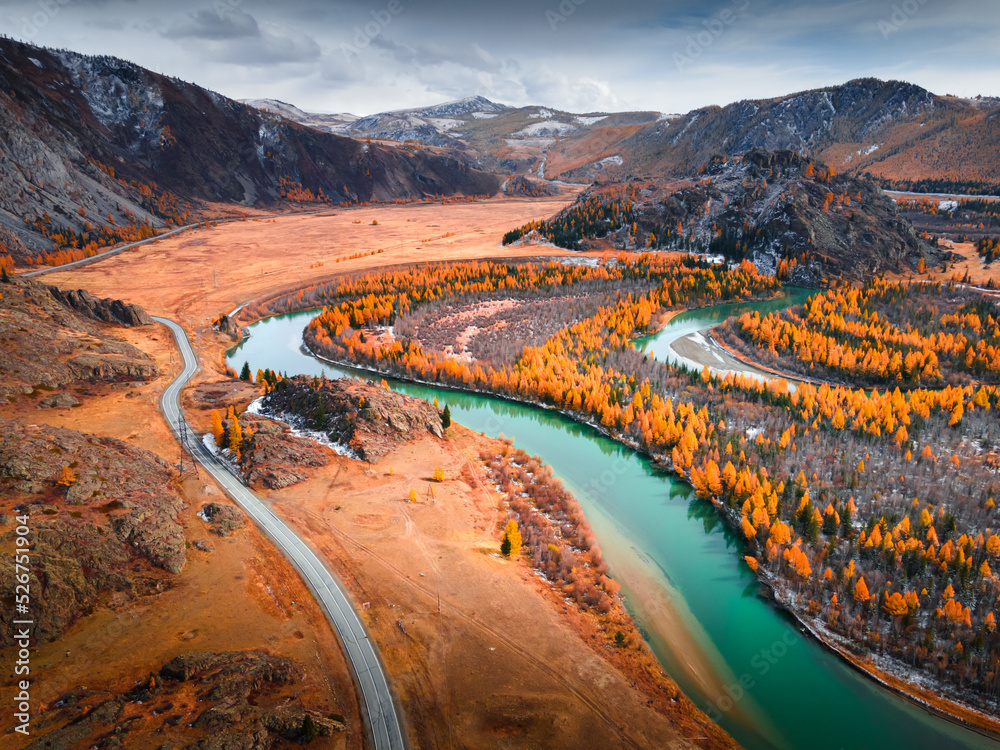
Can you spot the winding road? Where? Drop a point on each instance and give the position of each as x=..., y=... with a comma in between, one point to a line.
x=382, y=721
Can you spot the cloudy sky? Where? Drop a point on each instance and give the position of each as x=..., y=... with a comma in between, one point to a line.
x=366, y=56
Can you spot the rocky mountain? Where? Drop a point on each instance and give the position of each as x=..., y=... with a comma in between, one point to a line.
x=786, y=213
x=430, y=125
x=329, y=123
x=93, y=146
x=508, y=140
x=889, y=129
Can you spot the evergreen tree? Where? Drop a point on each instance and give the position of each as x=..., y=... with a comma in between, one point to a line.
x=309, y=731
x=245, y=372
x=511, y=543
x=446, y=417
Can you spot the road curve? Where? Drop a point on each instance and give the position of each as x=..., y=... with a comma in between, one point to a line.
x=382, y=721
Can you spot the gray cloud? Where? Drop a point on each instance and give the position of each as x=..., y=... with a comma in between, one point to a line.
x=215, y=25
x=571, y=54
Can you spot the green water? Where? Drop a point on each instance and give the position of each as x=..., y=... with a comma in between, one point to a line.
x=659, y=344
x=682, y=575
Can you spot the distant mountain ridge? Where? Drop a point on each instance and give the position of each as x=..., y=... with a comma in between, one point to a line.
x=892, y=130
x=889, y=128
x=92, y=145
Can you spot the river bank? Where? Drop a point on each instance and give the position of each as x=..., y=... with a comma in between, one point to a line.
x=951, y=709
x=479, y=647
x=657, y=549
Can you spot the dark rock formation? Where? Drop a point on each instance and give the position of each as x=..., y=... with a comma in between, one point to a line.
x=227, y=325
x=273, y=457
x=106, y=310
x=242, y=701
x=369, y=419
x=224, y=519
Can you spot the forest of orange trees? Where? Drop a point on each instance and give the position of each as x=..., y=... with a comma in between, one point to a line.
x=870, y=514
x=882, y=334
x=105, y=231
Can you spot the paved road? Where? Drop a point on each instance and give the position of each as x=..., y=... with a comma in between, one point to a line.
x=108, y=253
x=382, y=721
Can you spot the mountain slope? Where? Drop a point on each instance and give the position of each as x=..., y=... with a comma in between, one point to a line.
x=889, y=129
x=788, y=214
x=91, y=143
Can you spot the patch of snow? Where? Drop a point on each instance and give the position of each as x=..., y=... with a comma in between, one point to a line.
x=445, y=123
x=536, y=142
x=667, y=117
x=616, y=159
x=753, y=432
x=295, y=426
x=484, y=115
x=37, y=62
x=587, y=121
x=548, y=127
x=947, y=205
x=209, y=441
x=542, y=113
x=870, y=150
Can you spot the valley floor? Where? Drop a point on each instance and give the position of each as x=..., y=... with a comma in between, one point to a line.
x=505, y=657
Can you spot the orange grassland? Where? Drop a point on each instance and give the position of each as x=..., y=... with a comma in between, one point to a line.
x=506, y=661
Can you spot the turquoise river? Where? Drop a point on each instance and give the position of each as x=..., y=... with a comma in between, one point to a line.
x=735, y=654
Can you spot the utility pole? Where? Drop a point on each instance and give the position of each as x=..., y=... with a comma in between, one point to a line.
x=182, y=467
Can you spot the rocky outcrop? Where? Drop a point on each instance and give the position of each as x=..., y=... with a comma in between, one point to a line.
x=520, y=185
x=369, y=419
x=274, y=458
x=106, y=310
x=227, y=325
x=774, y=207
x=47, y=342
x=110, y=368
x=108, y=530
x=242, y=701
x=224, y=519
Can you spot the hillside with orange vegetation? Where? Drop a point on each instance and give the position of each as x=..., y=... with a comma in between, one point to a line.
x=881, y=334
x=871, y=516
x=790, y=215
